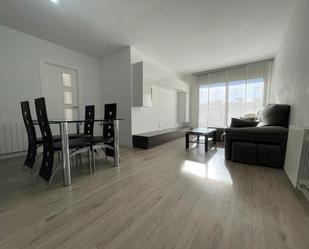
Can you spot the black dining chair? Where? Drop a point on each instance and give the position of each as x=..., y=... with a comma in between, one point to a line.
x=110, y=113
x=106, y=142
x=88, y=128
x=88, y=124
x=77, y=145
x=33, y=142
x=89, y=116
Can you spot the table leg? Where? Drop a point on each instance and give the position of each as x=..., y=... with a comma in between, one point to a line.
x=197, y=139
x=77, y=128
x=65, y=154
x=187, y=140
x=206, y=142
x=116, y=143
x=214, y=137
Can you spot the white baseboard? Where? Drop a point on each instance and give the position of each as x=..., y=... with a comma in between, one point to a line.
x=13, y=155
x=305, y=191
x=126, y=144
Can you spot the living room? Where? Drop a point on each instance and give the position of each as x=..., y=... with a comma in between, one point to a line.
x=154, y=124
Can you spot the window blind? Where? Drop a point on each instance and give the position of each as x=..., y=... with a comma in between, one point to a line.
x=233, y=92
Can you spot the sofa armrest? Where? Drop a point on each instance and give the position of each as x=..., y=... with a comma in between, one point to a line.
x=259, y=131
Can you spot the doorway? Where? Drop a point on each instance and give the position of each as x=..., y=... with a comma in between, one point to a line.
x=60, y=89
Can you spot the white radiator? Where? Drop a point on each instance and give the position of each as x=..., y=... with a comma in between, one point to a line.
x=13, y=137
x=297, y=157
x=303, y=181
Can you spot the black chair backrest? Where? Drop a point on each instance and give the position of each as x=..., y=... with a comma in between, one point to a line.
x=110, y=112
x=48, y=151
x=32, y=139
x=89, y=115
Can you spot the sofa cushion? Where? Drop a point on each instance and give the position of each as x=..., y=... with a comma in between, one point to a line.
x=275, y=115
x=268, y=155
x=235, y=122
x=244, y=152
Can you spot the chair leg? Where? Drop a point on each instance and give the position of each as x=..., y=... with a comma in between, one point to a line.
x=60, y=157
x=76, y=162
x=52, y=176
x=36, y=165
x=104, y=150
x=89, y=159
x=93, y=159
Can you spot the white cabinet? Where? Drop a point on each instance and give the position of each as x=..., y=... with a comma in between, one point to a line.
x=141, y=88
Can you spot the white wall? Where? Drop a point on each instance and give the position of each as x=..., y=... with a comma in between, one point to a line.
x=116, y=87
x=194, y=99
x=162, y=114
x=20, y=72
x=291, y=70
x=100, y=82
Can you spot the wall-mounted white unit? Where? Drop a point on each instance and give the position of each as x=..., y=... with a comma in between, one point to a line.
x=141, y=87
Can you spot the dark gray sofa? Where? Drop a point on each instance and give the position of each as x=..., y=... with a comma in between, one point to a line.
x=265, y=143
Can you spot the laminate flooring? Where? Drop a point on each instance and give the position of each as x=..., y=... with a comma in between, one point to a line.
x=165, y=197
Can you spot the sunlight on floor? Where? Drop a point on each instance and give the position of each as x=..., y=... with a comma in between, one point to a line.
x=194, y=168
x=211, y=171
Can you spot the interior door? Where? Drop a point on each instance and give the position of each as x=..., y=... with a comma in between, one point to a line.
x=60, y=89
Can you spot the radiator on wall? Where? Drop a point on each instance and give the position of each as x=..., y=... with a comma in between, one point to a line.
x=297, y=157
x=13, y=137
x=303, y=181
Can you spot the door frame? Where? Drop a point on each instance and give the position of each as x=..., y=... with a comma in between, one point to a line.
x=44, y=61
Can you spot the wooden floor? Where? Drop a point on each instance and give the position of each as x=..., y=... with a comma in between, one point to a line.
x=165, y=198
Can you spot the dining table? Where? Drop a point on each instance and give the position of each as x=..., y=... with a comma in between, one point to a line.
x=64, y=134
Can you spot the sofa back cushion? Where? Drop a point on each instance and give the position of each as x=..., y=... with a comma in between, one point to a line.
x=240, y=123
x=275, y=115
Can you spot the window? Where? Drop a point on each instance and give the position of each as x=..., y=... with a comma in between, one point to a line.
x=232, y=93
x=69, y=95
x=66, y=79
x=203, y=110
x=236, y=92
x=216, y=110
x=255, y=95
x=68, y=99
x=212, y=105
x=68, y=114
x=236, y=98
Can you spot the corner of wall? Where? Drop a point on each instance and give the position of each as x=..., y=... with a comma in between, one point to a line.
x=116, y=87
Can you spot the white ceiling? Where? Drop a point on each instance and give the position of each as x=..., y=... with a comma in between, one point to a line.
x=186, y=35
